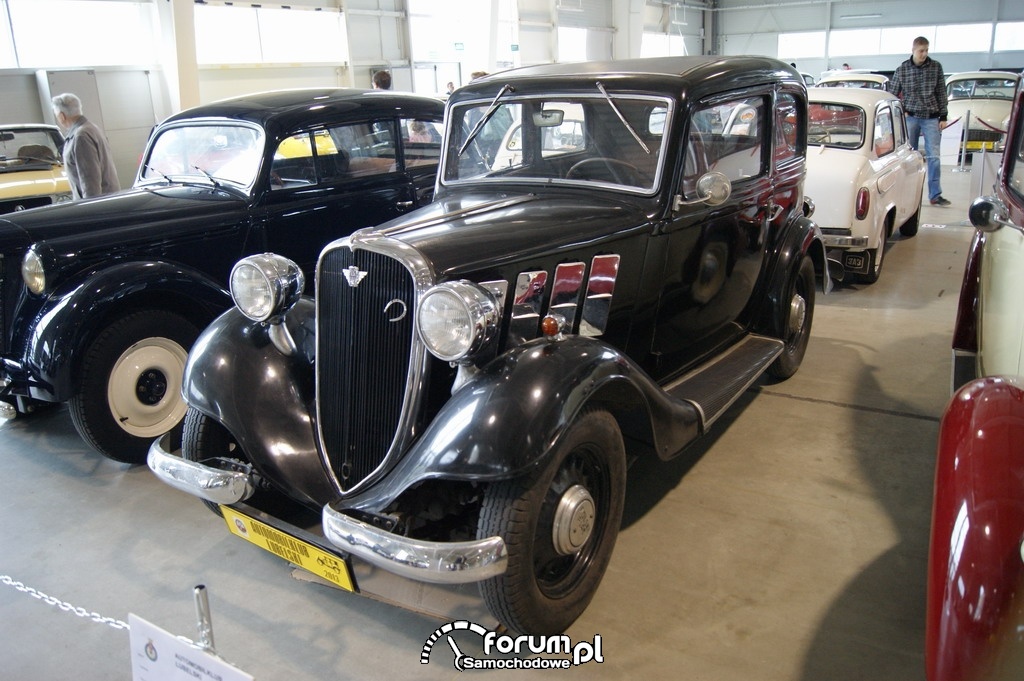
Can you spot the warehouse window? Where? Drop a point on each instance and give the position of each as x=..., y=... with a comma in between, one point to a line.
x=1009, y=36
x=251, y=35
x=807, y=44
x=119, y=33
x=962, y=38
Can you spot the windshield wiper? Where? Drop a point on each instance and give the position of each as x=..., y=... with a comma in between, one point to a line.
x=169, y=180
x=622, y=118
x=211, y=178
x=486, y=117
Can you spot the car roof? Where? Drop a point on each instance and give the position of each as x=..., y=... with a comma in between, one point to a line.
x=853, y=75
x=710, y=73
x=857, y=96
x=973, y=75
x=289, y=109
x=25, y=127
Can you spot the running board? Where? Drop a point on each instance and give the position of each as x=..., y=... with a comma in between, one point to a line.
x=713, y=387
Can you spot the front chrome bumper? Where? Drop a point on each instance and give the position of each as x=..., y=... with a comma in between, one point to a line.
x=423, y=561
x=419, y=560
x=205, y=482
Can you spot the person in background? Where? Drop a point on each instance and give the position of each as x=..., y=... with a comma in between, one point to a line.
x=381, y=80
x=846, y=67
x=451, y=87
x=477, y=74
x=921, y=84
x=88, y=160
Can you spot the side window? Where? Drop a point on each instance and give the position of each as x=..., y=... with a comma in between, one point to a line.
x=293, y=163
x=422, y=141
x=884, y=139
x=1015, y=176
x=789, y=142
x=362, y=149
x=727, y=137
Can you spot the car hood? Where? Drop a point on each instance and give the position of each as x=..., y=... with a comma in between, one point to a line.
x=26, y=183
x=150, y=207
x=465, y=232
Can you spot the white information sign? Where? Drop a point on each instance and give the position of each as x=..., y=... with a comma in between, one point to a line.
x=158, y=655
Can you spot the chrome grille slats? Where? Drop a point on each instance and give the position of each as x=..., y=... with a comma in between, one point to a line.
x=365, y=338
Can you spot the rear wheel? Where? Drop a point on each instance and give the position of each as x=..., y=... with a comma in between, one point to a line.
x=798, y=314
x=130, y=387
x=559, y=527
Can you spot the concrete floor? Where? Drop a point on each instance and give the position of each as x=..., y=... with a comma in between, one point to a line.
x=790, y=544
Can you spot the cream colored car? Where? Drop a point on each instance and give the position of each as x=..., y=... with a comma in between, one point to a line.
x=983, y=99
x=31, y=171
x=862, y=175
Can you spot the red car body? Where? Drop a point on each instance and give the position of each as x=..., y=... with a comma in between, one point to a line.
x=975, y=611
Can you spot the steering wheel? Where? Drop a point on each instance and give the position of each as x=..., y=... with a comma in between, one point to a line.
x=605, y=168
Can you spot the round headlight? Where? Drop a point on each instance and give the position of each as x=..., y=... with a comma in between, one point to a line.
x=455, y=319
x=32, y=272
x=264, y=287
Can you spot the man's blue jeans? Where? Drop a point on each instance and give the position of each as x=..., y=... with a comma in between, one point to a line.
x=932, y=136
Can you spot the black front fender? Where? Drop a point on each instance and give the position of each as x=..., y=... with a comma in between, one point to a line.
x=236, y=376
x=508, y=418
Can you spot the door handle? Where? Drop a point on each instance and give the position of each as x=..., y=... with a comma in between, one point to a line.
x=404, y=204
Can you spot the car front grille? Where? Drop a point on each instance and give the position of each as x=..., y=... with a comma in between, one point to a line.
x=365, y=304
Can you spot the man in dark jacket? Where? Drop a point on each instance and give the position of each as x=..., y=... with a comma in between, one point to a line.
x=87, y=157
x=921, y=84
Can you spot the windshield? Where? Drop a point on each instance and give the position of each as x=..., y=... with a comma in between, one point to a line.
x=612, y=140
x=29, y=149
x=983, y=88
x=205, y=153
x=835, y=125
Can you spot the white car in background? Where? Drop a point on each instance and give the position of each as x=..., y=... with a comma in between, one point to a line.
x=862, y=176
x=854, y=79
x=986, y=97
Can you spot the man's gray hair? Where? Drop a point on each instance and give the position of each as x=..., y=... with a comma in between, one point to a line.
x=70, y=105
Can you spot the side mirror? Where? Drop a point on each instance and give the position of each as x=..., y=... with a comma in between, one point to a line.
x=988, y=214
x=712, y=188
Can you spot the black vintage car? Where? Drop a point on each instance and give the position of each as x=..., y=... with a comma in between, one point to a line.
x=616, y=251
x=103, y=298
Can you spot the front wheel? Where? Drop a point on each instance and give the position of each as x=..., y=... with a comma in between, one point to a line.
x=130, y=387
x=559, y=527
x=798, y=300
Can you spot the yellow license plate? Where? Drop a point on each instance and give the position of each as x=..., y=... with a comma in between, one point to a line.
x=332, y=568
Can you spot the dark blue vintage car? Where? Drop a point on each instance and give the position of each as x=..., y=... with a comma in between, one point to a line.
x=615, y=252
x=103, y=298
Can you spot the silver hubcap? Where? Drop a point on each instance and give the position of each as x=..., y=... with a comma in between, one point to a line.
x=574, y=520
x=797, y=311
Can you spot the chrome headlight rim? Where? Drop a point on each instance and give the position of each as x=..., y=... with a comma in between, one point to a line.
x=265, y=286
x=480, y=316
x=33, y=272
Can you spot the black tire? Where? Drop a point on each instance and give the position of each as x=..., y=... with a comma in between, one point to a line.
x=875, y=260
x=798, y=314
x=129, y=391
x=545, y=589
x=909, y=228
x=204, y=438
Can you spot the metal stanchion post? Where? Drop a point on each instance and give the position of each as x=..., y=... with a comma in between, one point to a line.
x=963, y=143
x=203, y=620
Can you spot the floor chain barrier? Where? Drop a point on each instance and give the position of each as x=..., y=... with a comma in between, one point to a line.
x=66, y=607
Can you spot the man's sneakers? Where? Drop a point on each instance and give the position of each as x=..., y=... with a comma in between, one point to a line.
x=939, y=201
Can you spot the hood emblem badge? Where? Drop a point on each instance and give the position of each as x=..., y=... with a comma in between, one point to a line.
x=353, y=275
